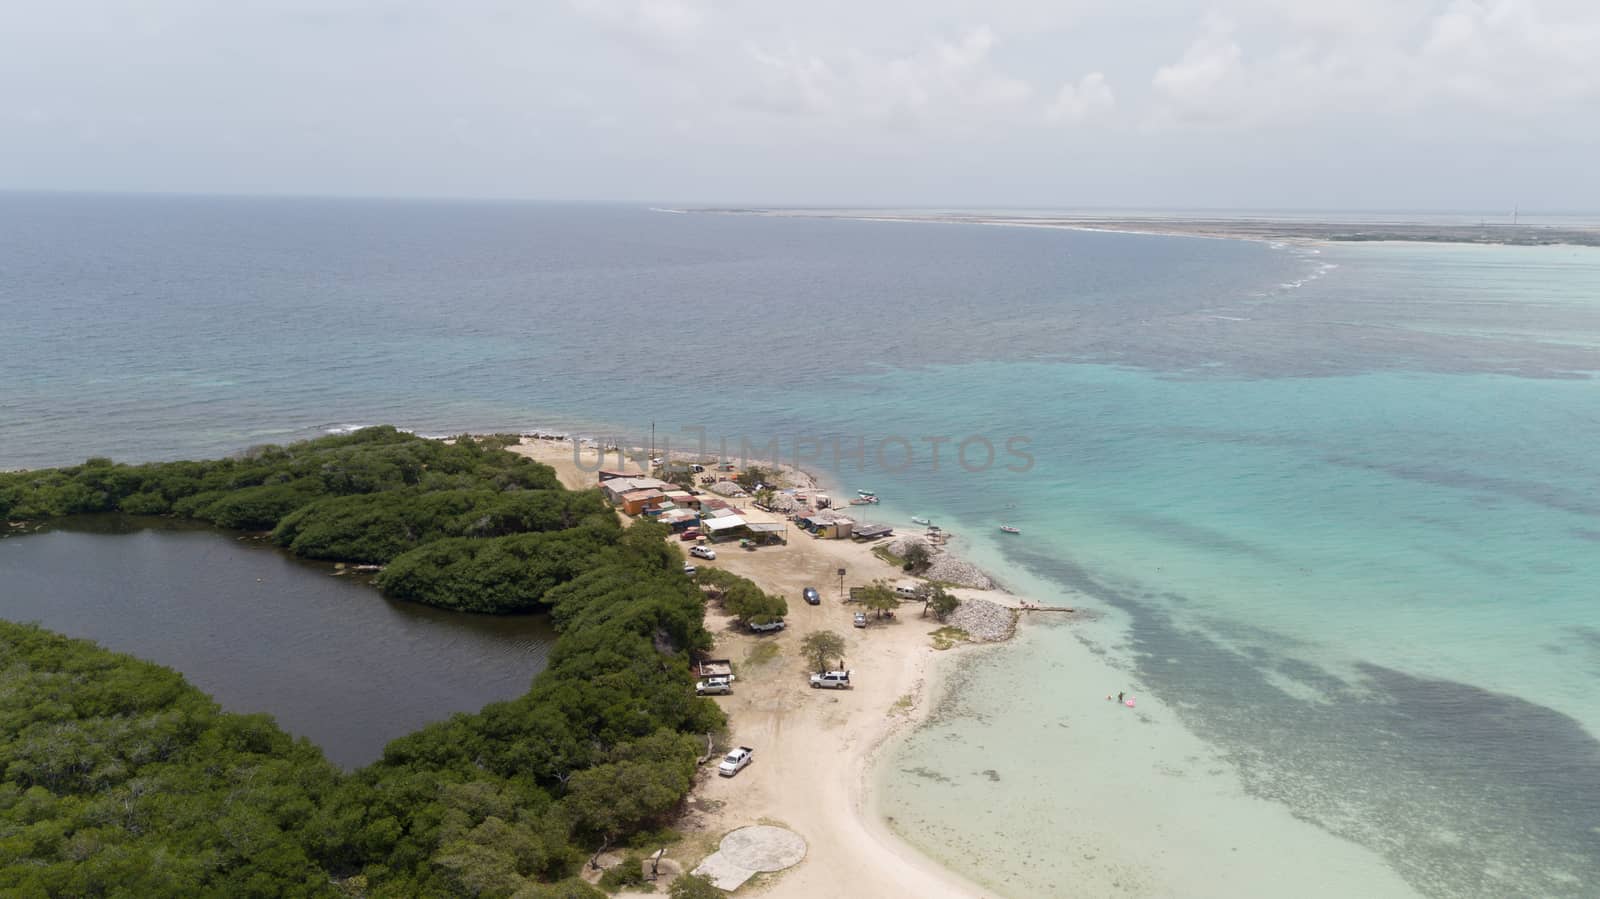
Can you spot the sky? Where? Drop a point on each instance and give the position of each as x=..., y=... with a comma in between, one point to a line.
x=1286, y=104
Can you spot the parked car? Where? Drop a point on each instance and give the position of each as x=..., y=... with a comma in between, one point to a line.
x=775, y=624
x=690, y=534
x=714, y=686
x=908, y=591
x=735, y=761
x=702, y=552
x=837, y=680
x=861, y=619
x=689, y=569
x=812, y=596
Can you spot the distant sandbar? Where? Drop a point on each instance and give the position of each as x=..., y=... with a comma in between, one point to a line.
x=1236, y=228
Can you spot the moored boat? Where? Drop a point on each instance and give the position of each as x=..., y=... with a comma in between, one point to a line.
x=1006, y=528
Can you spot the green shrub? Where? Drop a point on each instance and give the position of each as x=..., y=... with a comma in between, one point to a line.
x=626, y=874
x=694, y=886
x=254, y=508
x=147, y=503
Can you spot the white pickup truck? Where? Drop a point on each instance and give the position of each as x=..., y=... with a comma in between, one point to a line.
x=735, y=761
x=838, y=680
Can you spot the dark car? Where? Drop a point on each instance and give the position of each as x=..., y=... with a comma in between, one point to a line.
x=812, y=596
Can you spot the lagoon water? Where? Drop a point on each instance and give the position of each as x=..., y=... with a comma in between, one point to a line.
x=1335, y=510
x=325, y=655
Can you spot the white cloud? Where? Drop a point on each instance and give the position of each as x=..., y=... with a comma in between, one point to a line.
x=1202, y=83
x=943, y=84
x=654, y=23
x=699, y=98
x=792, y=83
x=1077, y=103
x=1288, y=63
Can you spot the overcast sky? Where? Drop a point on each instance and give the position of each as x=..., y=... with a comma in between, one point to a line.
x=1389, y=104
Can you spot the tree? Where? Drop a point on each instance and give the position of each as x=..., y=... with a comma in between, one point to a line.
x=820, y=646
x=612, y=799
x=879, y=597
x=765, y=496
x=752, y=605
x=694, y=886
x=917, y=557
x=742, y=598
x=716, y=581
x=755, y=474
x=941, y=600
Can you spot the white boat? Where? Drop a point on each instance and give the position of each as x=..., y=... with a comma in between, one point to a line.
x=918, y=520
x=866, y=494
x=1009, y=529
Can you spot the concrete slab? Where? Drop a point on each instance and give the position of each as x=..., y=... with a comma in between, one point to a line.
x=723, y=872
x=764, y=848
x=751, y=850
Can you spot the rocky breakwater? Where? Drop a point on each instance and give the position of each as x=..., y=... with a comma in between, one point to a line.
x=984, y=621
x=944, y=568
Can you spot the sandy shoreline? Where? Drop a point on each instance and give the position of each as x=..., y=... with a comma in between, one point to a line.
x=815, y=749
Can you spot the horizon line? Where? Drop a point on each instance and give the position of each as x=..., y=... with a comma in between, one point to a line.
x=712, y=205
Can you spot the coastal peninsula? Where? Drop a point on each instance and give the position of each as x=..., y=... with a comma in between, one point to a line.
x=816, y=748
x=548, y=795
x=1375, y=229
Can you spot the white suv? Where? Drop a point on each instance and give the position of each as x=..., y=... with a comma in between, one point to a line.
x=838, y=680
x=702, y=552
x=714, y=686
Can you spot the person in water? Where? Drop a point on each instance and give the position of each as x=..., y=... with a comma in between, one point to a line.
x=1119, y=697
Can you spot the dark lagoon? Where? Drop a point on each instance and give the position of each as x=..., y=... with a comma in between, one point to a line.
x=326, y=655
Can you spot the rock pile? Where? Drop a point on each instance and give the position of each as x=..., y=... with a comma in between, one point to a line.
x=945, y=568
x=902, y=545
x=784, y=503
x=951, y=570
x=726, y=488
x=984, y=621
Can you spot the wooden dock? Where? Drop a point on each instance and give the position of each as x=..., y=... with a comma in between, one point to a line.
x=1033, y=608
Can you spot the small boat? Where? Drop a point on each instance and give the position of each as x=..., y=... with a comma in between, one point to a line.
x=866, y=494
x=1008, y=529
x=916, y=520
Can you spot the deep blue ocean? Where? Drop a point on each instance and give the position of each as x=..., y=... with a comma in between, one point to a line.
x=1337, y=508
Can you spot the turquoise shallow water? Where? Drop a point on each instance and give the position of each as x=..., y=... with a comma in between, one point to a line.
x=1379, y=612
x=1336, y=509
